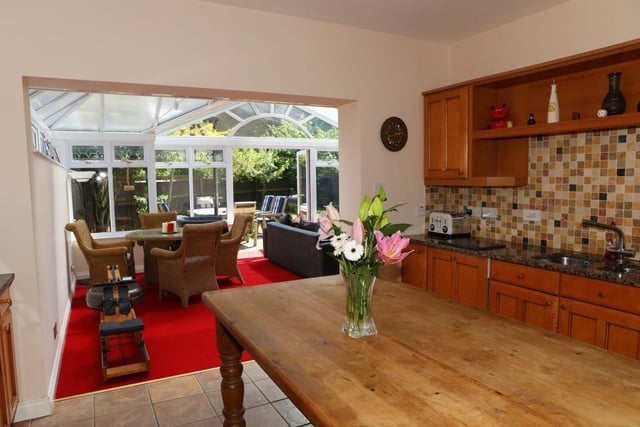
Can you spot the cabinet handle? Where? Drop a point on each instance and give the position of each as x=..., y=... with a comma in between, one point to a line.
x=547, y=304
x=6, y=301
x=519, y=276
x=601, y=294
x=563, y=307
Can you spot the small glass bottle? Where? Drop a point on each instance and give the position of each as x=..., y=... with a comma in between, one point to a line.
x=553, y=112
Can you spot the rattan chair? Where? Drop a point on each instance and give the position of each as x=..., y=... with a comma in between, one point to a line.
x=190, y=270
x=227, y=259
x=148, y=221
x=246, y=208
x=99, y=255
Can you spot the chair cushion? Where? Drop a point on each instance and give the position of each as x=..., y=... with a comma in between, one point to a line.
x=200, y=219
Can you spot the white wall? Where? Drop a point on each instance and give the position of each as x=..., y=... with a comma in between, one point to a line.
x=568, y=29
x=187, y=43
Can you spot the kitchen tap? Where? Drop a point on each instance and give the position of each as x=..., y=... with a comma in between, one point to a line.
x=621, y=251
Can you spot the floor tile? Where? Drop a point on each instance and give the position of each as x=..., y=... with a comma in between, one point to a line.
x=121, y=399
x=254, y=371
x=290, y=413
x=264, y=416
x=184, y=410
x=140, y=416
x=209, y=380
x=271, y=391
x=174, y=388
x=67, y=411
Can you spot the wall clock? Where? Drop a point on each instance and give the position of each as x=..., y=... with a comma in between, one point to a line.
x=393, y=134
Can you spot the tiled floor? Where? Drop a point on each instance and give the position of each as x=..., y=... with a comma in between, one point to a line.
x=188, y=400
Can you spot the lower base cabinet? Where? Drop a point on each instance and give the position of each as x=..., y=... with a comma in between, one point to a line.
x=8, y=383
x=458, y=276
x=529, y=306
x=610, y=329
x=414, y=266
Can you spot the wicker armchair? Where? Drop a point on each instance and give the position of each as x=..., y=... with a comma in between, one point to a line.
x=227, y=258
x=190, y=270
x=148, y=221
x=99, y=255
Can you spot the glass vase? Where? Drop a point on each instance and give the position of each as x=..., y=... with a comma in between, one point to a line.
x=614, y=102
x=358, y=319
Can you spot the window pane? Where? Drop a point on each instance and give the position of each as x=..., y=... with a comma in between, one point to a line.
x=209, y=156
x=244, y=111
x=327, y=189
x=90, y=198
x=131, y=196
x=209, y=191
x=87, y=152
x=171, y=156
x=128, y=152
x=172, y=187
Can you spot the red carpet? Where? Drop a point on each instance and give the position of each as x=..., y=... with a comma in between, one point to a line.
x=178, y=340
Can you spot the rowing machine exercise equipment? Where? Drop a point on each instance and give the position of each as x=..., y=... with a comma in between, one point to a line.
x=115, y=299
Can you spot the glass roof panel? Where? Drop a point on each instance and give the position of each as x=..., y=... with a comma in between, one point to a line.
x=129, y=113
x=86, y=117
x=244, y=111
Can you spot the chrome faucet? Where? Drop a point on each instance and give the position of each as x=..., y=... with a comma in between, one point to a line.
x=621, y=251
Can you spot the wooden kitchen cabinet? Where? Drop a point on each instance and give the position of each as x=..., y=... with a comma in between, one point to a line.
x=601, y=313
x=414, y=266
x=533, y=307
x=499, y=157
x=8, y=383
x=458, y=276
x=446, y=134
x=525, y=293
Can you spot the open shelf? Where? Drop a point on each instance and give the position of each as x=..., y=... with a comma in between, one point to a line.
x=572, y=126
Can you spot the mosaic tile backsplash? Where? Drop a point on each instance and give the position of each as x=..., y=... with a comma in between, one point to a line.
x=572, y=177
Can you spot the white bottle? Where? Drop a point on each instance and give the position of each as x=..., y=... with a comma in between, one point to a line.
x=553, y=114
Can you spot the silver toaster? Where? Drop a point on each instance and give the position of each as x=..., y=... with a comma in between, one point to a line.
x=449, y=224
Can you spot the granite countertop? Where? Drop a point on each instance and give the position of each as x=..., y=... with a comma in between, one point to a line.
x=534, y=256
x=5, y=280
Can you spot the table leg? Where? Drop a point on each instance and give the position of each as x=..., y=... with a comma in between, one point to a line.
x=232, y=387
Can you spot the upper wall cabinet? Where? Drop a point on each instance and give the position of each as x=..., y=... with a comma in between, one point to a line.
x=446, y=134
x=461, y=149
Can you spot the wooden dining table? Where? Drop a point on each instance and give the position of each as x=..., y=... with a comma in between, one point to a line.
x=433, y=362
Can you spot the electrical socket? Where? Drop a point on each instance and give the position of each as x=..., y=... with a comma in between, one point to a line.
x=475, y=211
x=531, y=215
x=489, y=213
x=422, y=211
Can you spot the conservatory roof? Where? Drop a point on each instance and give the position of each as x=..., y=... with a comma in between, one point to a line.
x=68, y=111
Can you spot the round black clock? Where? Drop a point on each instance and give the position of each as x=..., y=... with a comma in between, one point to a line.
x=393, y=134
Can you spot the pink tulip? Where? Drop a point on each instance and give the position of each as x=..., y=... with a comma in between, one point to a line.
x=357, y=231
x=390, y=247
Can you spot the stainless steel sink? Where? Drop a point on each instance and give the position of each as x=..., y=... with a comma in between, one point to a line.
x=564, y=259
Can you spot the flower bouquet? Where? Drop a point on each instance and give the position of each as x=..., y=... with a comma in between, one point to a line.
x=372, y=242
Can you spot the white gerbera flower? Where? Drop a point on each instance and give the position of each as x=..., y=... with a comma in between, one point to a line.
x=338, y=243
x=353, y=250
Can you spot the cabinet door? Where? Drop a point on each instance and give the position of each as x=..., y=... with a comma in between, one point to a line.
x=458, y=276
x=7, y=368
x=441, y=272
x=533, y=307
x=471, y=280
x=613, y=330
x=446, y=134
x=414, y=266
